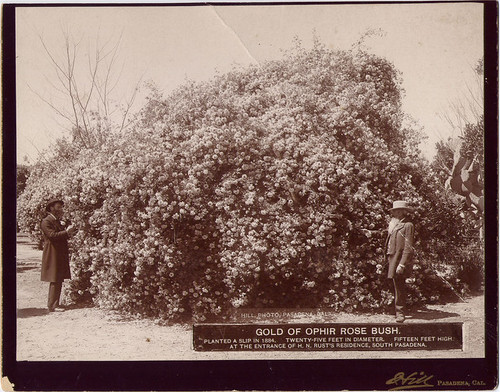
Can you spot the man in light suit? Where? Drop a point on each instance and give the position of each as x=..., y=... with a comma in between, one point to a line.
x=55, y=256
x=399, y=253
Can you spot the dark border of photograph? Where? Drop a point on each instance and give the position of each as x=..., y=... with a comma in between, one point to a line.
x=348, y=374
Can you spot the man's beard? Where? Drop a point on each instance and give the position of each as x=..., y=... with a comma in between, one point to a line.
x=392, y=224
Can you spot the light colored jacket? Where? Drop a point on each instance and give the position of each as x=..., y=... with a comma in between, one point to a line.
x=399, y=247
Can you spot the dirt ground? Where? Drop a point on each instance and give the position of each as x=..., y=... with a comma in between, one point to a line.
x=92, y=334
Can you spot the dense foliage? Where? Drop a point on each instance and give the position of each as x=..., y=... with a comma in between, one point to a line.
x=22, y=174
x=263, y=187
x=473, y=143
x=442, y=164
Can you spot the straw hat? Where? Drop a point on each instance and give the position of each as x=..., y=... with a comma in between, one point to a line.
x=400, y=205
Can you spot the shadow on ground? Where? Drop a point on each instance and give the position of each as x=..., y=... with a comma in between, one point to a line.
x=31, y=312
x=23, y=238
x=34, y=312
x=23, y=268
x=83, y=305
x=429, y=314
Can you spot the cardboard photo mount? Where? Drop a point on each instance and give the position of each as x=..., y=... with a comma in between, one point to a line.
x=261, y=373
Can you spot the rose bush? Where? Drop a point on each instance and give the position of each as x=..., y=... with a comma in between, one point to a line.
x=254, y=189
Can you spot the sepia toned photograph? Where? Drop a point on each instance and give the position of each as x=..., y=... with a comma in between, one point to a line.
x=252, y=182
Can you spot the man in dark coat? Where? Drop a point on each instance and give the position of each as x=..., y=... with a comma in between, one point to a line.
x=55, y=257
x=399, y=251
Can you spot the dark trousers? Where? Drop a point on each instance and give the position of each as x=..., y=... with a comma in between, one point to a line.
x=55, y=289
x=399, y=293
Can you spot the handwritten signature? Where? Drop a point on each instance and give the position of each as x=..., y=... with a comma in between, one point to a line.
x=414, y=380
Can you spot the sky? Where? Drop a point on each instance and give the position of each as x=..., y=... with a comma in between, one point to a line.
x=434, y=46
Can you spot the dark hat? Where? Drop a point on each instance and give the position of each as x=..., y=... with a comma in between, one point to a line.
x=52, y=202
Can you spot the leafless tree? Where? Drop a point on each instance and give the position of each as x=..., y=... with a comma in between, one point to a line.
x=86, y=80
x=468, y=109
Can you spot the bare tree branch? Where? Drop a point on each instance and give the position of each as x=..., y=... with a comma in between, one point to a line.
x=42, y=156
x=59, y=112
x=54, y=62
x=89, y=109
x=129, y=105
